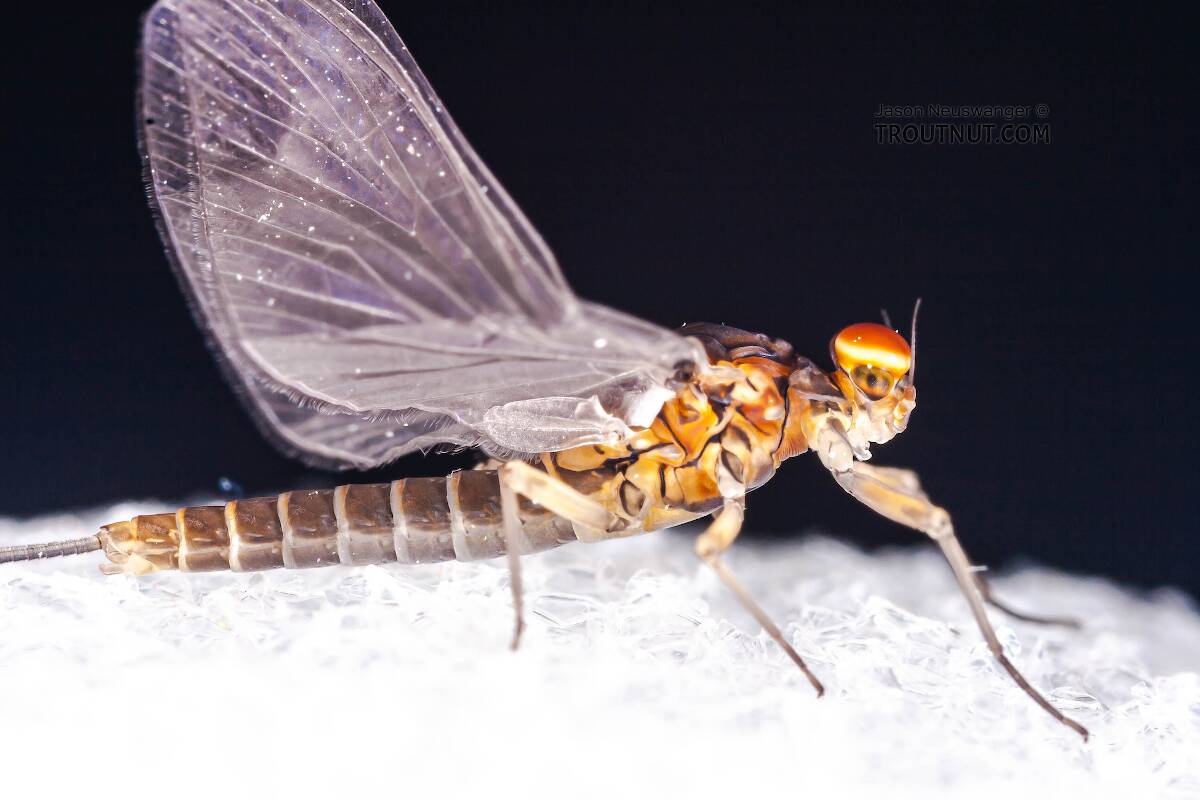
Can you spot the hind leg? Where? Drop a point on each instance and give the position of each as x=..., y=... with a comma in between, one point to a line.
x=519, y=479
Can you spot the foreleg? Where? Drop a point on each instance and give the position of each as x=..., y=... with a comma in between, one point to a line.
x=897, y=495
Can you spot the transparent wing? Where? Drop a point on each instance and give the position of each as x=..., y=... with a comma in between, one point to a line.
x=370, y=285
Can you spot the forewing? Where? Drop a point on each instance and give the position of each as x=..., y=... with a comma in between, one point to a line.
x=371, y=286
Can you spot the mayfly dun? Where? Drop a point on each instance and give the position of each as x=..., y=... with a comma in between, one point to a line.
x=373, y=291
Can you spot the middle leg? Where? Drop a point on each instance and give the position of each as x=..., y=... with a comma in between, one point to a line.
x=715, y=540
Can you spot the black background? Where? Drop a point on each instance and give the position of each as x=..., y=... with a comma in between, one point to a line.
x=691, y=164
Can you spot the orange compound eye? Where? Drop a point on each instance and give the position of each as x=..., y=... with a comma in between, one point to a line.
x=874, y=357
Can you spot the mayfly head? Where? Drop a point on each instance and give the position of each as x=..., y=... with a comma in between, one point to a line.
x=875, y=368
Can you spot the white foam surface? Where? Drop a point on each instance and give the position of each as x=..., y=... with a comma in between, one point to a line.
x=638, y=677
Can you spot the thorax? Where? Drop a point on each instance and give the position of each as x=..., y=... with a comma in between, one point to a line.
x=723, y=433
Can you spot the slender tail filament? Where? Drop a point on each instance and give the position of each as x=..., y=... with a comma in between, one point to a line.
x=33, y=552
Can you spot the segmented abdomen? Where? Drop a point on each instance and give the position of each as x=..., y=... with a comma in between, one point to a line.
x=412, y=521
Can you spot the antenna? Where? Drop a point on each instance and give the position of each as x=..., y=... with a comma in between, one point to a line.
x=912, y=342
x=886, y=319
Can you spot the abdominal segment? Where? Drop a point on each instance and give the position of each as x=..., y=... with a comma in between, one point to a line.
x=412, y=521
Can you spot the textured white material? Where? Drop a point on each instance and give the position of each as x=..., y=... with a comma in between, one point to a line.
x=638, y=677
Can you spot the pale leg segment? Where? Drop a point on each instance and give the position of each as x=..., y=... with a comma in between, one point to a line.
x=715, y=540
x=514, y=540
x=518, y=478
x=897, y=495
x=906, y=481
x=986, y=590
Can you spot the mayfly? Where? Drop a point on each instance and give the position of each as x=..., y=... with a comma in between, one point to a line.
x=374, y=291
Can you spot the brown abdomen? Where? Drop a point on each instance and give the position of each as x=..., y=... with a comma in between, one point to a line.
x=413, y=521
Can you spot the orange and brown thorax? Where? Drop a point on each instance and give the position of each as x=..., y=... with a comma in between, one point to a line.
x=726, y=428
